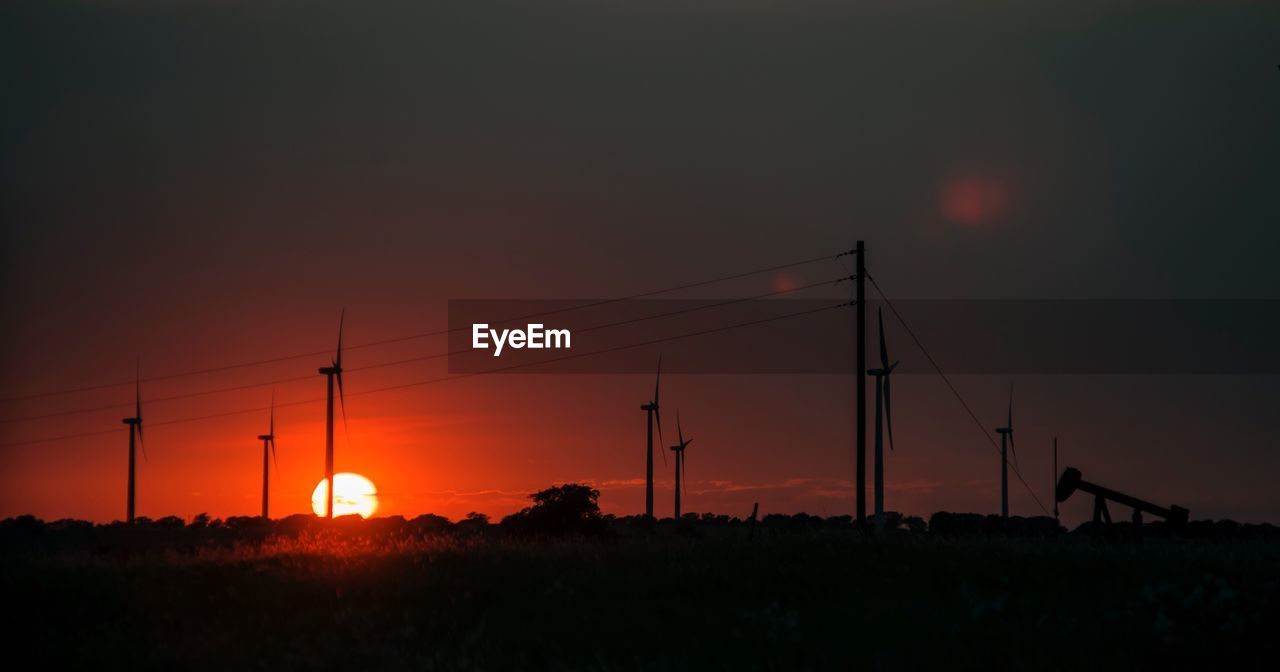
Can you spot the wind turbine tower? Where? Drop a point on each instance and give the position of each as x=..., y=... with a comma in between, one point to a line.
x=680, y=461
x=884, y=416
x=651, y=410
x=334, y=370
x=1055, y=477
x=1006, y=443
x=135, y=428
x=268, y=441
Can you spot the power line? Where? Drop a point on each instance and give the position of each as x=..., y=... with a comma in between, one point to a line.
x=460, y=376
x=410, y=337
x=156, y=400
x=411, y=360
x=953, y=389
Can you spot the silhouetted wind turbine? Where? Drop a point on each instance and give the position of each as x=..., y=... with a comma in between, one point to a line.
x=135, y=427
x=268, y=440
x=679, y=451
x=651, y=409
x=883, y=412
x=331, y=372
x=1006, y=442
x=1055, y=476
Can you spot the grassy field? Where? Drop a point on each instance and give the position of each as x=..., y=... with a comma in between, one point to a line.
x=639, y=600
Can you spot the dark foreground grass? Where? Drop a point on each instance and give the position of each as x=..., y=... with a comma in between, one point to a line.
x=647, y=601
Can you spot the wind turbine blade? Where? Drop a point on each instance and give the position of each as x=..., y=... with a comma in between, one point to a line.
x=662, y=445
x=888, y=408
x=1010, y=419
x=1012, y=447
x=884, y=350
x=342, y=401
x=657, y=415
x=341, y=320
x=657, y=382
x=1054, y=489
x=679, y=431
x=272, y=431
x=662, y=442
x=274, y=461
x=684, y=473
x=137, y=405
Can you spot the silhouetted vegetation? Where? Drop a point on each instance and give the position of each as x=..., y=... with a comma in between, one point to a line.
x=572, y=508
x=539, y=591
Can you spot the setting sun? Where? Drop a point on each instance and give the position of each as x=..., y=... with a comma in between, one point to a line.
x=352, y=493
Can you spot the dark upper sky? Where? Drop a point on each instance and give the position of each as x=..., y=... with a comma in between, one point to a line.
x=209, y=181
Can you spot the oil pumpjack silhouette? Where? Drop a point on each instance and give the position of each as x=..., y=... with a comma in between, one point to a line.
x=135, y=428
x=680, y=462
x=884, y=416
x=268, y=440
x=334, y=370
x=651, y=410
x=1072, y=480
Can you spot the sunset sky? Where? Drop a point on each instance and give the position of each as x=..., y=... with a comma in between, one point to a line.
x=206, y=183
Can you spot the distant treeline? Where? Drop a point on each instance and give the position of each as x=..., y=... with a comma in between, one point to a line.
x=573, y=509
x=204, y=528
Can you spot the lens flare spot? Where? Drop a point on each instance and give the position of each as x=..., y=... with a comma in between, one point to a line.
x=973, y=201
x=785, y=282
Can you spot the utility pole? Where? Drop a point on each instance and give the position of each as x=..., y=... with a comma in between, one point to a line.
x=860, y=376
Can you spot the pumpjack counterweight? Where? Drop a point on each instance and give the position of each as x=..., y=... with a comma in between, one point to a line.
x=1072, y=480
